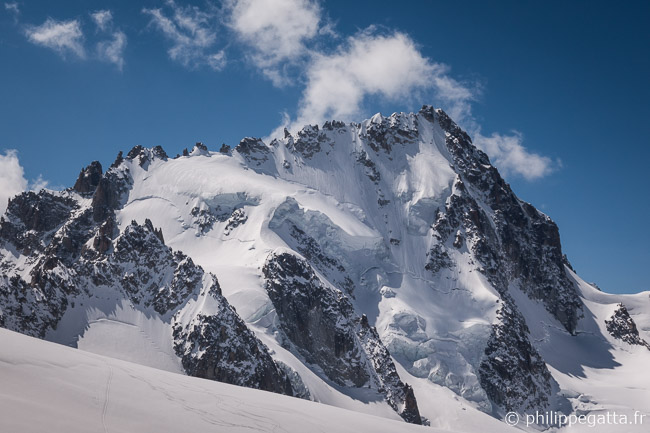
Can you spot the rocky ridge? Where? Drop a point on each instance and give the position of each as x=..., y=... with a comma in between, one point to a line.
x=73, y=249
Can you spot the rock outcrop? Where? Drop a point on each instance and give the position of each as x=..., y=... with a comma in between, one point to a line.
x=320, y=322
x=621, y=326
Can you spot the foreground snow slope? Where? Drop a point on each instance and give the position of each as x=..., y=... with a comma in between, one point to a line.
x=51, y=388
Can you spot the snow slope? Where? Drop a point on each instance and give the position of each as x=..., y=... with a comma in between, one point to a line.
x=50, y=388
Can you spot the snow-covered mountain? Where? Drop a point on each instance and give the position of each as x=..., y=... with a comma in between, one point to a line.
x=383, y=267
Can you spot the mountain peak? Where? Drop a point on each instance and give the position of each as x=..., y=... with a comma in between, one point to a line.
x=337, y=263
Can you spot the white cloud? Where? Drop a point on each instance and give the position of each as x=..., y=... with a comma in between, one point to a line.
x=112, y=51
x=13, y=8
x=39, y=183
x=102, y=19
x=12, y=178
x=61, y=36
x=276, y=30
x=387, y=66
x=192, y=33
x=281, y=39
x=67, y=37
x=391, y=67
x=512, y=158
x=217, y=61
x=456, y=97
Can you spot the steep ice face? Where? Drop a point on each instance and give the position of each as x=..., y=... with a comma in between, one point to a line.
x=445, y=225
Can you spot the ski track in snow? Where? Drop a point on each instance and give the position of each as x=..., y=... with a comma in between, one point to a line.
x=39, y=385
x=107, y=397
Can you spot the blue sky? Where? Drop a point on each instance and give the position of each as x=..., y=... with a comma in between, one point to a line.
x=556, y=92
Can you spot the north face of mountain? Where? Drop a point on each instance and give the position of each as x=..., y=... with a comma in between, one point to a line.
x=383, y=266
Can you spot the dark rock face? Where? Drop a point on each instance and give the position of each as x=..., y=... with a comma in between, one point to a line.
x=309, y=141
x=41, y=227
x=110, y=193
x=398, y=394
x=30, y=219
x=220, y=347
x=205, y=218
x=35, y=307
x=237, y=218
x=159, y=152
x=524, y=248
x=68, y=241
x=102, y=241
x=300, y=390
x=386, y=133
x=144, y=156
x=253, y=150
x=321, y=324
x=157, y=232
x=142, y=262
x=514, y=244
x=89, y=178
x=118, y=160
x=620, y=325
x=315, y=318
x=40, y=212
x=512, y=373
x=138, y=152
x=370, y=167
x=438, y=258
x=332, y=125
x=105, y=200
